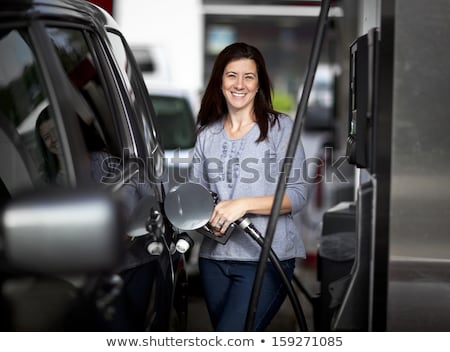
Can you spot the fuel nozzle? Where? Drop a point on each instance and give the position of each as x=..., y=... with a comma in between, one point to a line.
x=246, y=225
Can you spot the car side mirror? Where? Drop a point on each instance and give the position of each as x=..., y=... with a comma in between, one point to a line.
x=61, y=232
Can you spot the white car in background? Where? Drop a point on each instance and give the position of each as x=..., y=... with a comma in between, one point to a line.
x=176, y=112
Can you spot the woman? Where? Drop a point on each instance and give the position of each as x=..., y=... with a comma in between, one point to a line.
x=240, y=148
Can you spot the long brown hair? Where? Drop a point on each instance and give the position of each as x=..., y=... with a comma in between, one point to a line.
x=213, y=106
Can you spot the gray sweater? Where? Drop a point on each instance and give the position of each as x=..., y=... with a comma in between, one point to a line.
x=243, y=168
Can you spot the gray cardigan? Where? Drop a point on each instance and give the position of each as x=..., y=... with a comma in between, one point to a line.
x=243, y=168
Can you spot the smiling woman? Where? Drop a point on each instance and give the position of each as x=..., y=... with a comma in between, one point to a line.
x=239, y=128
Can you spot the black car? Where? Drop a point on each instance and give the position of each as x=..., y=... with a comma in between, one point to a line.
x=82, y=179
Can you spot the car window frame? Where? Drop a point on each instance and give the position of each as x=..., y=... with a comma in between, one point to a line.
x=127, y=124
x=139, y=88
x=117, y=102
x=121, y=133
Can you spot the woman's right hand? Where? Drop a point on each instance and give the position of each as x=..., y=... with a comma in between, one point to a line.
x=225, y=213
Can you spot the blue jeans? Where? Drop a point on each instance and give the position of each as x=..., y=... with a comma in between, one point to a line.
x=228, y=286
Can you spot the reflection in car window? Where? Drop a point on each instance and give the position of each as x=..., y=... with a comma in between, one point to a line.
x=49, y=147
x=175, y=122
x=78, y=62
x=22, y=99
x=94, y=114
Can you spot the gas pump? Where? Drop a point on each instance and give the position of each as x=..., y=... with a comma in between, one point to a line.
x=361, y=129
x=344, y=303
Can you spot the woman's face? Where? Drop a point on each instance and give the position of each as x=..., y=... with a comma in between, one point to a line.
x=48, y=135
x=240, y=83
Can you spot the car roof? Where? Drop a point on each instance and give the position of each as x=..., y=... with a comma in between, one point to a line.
x=165, y=88
x=67, y=10
x=169, y=90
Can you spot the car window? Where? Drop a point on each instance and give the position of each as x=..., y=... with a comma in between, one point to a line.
x=29, y=141
x=102, y=143
x=138, y=96
x=108, y=164
x=175, y=121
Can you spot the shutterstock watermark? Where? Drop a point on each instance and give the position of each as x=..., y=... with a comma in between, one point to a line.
x=312, y=170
